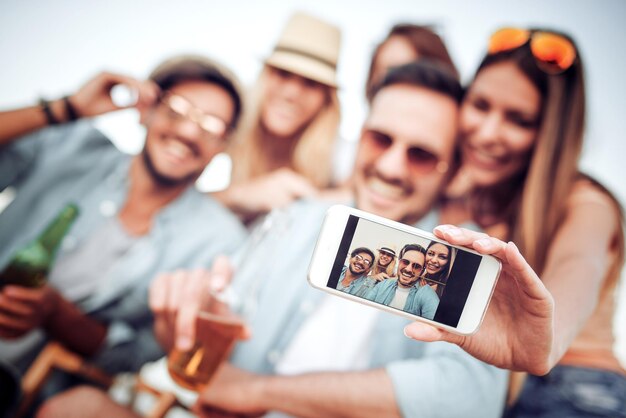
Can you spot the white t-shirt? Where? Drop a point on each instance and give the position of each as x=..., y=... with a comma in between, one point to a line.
x=399, y=300
x=336, y=336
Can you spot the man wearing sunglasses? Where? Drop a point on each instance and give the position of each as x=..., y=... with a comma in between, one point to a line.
x=314, y=354
x=353, y=275
x=138, y=214
x=405, y=293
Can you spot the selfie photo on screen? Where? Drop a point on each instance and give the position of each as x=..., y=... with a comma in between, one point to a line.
x=429, y=278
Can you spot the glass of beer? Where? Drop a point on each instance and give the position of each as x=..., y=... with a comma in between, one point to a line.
x=223, y=321
x=215, y=338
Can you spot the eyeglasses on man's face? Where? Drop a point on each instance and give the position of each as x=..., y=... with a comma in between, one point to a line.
x=178, y=109
x=363, y=260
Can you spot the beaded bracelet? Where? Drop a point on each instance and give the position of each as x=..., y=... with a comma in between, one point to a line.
x=72, y=114
x=45, y=107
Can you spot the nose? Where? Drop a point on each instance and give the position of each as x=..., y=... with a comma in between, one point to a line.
x=392, y=164
x=187, y=129
x=293, y=87
x=489, y=130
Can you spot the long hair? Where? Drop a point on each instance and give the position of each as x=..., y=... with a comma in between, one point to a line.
x=426, y=44
x=441, y=276
x=389, y=270
x=533, y=202
x=439, y=280
x=312, y=150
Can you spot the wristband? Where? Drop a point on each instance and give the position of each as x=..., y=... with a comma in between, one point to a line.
x=70, y=110
x=45, y=107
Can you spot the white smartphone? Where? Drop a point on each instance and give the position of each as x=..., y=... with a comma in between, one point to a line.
x=426, y=280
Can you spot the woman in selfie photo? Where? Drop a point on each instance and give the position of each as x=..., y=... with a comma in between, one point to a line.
x=437, y=267
x=522, y=123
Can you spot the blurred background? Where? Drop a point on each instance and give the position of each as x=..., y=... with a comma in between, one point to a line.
x=51, y=48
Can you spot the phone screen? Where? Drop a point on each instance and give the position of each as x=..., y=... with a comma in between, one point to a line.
x=404, y=271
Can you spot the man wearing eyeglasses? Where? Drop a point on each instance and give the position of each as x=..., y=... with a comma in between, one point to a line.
x=139, y=215
x=405, y=293
x=353, y=275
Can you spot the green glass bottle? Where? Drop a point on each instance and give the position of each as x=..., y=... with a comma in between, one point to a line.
x=30, y=266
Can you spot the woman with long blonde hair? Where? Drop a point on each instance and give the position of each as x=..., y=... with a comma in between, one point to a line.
x=284, y=148
x=521, y=130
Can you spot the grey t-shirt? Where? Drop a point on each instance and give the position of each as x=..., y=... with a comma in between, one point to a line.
x=77, y=274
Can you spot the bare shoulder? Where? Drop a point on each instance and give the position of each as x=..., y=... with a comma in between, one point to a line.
x=588, y=191
x=590, y=203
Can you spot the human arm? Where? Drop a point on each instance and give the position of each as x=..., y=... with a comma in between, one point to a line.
x=307, y=395
x=433, y=380
x=552, y=309
x=24, y=309
x=260, y=195
x=92, y=99
x=380, y=277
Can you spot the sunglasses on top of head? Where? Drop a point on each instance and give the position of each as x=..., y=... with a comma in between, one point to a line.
x=553, y=53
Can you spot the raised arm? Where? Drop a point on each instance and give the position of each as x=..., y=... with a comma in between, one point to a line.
x=91, y=99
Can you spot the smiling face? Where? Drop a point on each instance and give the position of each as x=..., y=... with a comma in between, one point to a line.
x=410, y=268
x=437, y=258
x=177, y=149
x=499, y=121
x=360, y=263
x=384, y=258
x=409, y=133
x=290, y=103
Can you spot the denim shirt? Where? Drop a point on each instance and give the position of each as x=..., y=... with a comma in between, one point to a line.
x=355, y=286
x=429, y=379
x=77, y=163
x=422, y=300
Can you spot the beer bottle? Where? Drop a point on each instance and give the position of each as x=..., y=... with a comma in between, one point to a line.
x=30, y=265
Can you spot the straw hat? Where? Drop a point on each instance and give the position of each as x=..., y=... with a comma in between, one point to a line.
x=388, y=249
x=308, y=47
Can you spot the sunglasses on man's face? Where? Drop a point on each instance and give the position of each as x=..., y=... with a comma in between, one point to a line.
x=553, y=53
x=363, y=260
x=404, y=263
x=420, y=160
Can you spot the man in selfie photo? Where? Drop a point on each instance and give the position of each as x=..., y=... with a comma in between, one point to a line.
x=406, y=293
x=314, y=354
x=352, y=276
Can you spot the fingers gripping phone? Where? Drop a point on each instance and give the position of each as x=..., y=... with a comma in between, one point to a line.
x=423, y=278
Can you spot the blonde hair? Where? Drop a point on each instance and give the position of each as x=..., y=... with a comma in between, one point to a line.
x=313, y=149
x=389, y=270
x=535, y=212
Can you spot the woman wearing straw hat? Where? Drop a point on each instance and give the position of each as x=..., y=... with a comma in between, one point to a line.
x=284, y=148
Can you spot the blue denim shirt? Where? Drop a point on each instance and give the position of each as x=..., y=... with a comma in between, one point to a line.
x=422, y=300
x=75, y=162
x=429, y=379
x=355, y=286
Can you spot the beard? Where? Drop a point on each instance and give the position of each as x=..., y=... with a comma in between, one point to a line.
x=161, y=179
x=355, y=272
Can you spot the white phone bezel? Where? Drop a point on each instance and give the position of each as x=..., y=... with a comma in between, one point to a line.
x=328, y=244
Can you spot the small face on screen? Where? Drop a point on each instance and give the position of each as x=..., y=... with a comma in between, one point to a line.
x=429, y=278
x=410, y=268
x=360, y=263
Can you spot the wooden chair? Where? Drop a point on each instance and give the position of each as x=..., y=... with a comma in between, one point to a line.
x=55, y=356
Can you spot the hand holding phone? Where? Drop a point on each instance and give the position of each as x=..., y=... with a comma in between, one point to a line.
x=435, y=282
x=518, y=330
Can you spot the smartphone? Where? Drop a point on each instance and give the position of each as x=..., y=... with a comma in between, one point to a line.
x=429, y=279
